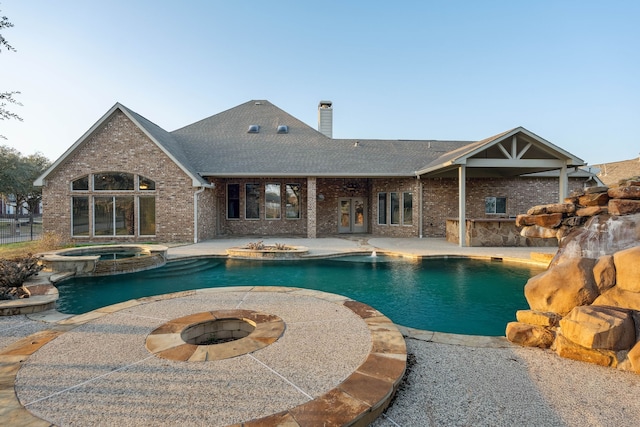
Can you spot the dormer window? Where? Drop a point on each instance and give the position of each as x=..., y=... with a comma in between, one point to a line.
x=283, y=129
x=254, y=129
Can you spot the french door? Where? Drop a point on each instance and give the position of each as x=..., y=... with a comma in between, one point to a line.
x=352, y=215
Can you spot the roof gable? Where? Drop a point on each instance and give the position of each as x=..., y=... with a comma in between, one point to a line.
x=514, y=152
x=156, y=134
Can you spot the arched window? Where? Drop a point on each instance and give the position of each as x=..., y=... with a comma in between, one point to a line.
x=130, y=209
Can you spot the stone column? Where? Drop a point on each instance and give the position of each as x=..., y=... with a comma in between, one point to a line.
x=311, y=207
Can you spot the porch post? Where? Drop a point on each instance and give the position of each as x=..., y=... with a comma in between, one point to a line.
x=564, y=184
x=311, y=207
x=462, y=197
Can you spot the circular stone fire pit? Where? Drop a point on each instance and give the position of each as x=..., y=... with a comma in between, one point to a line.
x=217, y=331
x=214, y=335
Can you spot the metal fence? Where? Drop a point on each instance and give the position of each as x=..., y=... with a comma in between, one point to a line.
x=22, y=229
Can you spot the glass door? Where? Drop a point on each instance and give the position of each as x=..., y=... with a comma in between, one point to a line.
x=352, y=215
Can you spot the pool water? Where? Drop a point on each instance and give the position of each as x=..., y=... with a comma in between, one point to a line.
x=455, y=295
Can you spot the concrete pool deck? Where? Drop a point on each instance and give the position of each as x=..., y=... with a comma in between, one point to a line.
x=451, y=379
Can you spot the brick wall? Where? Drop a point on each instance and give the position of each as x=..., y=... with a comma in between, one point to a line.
x=399, y=185
x=120, y=146
x=261, y=226
x=441, y=198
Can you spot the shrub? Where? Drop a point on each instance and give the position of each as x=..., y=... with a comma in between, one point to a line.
x=256, y=246
x=13, y=274
x=51, y=241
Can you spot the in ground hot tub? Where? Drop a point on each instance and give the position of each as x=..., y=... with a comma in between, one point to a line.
x=105, y=259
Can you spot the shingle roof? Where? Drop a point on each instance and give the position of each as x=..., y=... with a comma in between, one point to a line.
x=612, y=173
x=221, y=145
x=172, y=147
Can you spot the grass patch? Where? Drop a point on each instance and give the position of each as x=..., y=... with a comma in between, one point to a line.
x=18, y=250
x=48, y=242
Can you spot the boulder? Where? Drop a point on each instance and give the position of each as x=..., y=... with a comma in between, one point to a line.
x=627, y=192
x=616, y=297
x=627, y=269
x=548, y=220
x=634, y=358
x=594, y=199
x=574, y=221
x=529, y=335
x=601, y=235
x=564, y=286
x=539, y=318
x=539, y=232
x=600, y=328
x=592, y=211
x=604, y=273
x=623, y=206
x=564, y=208
x=592, y=190
x=571, y=350
x=542, y=220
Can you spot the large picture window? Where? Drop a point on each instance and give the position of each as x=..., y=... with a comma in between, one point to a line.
x=81, y=184
x=233, y=201
x=407, y=211
x=293, y=201
x=80, y=216
x=130, y=210
x=272, y=201
x=113, y=181
x=147, y=215
x=382, y=208
x=395, y=208
x=114, y=216
x=252, y=201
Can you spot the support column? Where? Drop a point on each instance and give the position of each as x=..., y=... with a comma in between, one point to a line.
x=311, y=207
x=564, y=184
x=462, y=198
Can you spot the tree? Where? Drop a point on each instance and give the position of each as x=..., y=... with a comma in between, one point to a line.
x=7, y=97
x=17, y=173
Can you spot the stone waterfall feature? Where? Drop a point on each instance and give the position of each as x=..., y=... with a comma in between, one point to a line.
x=586, y=306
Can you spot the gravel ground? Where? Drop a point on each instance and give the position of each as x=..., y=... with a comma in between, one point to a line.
x=456, y=385
x=13, y=328
x=450, y=385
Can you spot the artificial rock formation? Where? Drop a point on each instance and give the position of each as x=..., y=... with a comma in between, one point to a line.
x=586, y=306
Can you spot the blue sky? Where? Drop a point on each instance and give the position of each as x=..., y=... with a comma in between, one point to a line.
x=568, y=71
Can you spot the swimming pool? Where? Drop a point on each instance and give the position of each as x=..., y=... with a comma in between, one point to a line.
x=455, y=295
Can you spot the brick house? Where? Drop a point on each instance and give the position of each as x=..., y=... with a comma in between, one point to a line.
x=255, y=170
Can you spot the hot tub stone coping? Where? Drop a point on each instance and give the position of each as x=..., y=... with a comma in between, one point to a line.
x=361, y=397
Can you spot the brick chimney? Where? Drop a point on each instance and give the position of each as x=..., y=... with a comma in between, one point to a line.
x=325, y=118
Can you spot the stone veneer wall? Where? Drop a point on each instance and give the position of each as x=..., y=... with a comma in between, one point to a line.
x=120, y=146
x=494, y=232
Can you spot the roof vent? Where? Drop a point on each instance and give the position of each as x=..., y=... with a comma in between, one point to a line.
x=283, y=129
x=254, y=129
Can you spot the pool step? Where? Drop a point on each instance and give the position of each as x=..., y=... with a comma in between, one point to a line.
x=179, y=268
